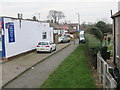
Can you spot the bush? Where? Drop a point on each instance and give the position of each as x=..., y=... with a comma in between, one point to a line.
x=95, y=31
x=93, y=45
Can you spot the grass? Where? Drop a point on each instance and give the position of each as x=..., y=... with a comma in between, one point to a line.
x=72, y=73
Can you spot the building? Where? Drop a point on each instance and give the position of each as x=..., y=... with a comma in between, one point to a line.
x=116, y=35
x=22, y=35
x=73, y=27
x=58, y=31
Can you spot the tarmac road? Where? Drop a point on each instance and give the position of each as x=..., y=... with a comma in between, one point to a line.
x=34, y=77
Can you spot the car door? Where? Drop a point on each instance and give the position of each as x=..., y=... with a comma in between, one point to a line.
x=65, y=39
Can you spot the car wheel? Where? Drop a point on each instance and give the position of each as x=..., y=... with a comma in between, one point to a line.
x=50, y=50
x=37, y=51
x=55, y=49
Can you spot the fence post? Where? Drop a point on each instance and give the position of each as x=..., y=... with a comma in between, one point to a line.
x=99, y=66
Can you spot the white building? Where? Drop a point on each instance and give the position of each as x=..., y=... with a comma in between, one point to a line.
x=21, y=35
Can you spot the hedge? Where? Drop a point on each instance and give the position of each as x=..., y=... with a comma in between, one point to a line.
x=93, y=45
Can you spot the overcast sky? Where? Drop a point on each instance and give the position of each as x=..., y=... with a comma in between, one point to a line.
x=90, y=10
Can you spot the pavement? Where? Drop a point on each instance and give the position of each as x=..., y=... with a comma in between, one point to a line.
x=17, y=66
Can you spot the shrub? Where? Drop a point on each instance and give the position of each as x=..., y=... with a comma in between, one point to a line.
x=93, y=45
x=105, y=28
x=95, y=31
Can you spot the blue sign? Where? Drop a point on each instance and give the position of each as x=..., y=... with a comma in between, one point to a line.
x=11, y=34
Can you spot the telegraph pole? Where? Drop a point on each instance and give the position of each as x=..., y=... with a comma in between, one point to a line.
x=39, y=16
x=78, y=20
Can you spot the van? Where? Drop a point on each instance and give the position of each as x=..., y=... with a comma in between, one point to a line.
x=81, y=37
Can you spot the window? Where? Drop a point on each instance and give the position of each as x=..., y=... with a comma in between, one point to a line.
x=44, y=35
x=42, y=43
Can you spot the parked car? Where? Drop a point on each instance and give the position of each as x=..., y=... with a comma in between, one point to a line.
x=63, y=39
x=45, y=46
x=81, y=37
x=68, y=35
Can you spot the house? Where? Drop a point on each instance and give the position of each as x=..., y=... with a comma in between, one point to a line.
x=116, y=35
x=65, y=28
x=58, y=31
x=73, y=27
x=22, y=35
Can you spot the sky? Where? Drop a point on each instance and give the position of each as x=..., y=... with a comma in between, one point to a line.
x=89, y=10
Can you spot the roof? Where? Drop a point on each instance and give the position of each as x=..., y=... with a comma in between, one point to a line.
x=65, y=27
x=18, y=18
x=73, y=24
x=70, y=28
x=116, y=14
x=55, y=26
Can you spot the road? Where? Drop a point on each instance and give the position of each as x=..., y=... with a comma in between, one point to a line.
x=35, y=76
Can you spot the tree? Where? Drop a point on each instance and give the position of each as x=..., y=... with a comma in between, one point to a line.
x=105, y=28
x=95, y=31
x=60, y=15
x=56, y=15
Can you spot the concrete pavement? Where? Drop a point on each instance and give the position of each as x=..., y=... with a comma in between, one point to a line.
x=35, y=76
x=12, y=69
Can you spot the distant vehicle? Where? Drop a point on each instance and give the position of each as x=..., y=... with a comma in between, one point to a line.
x=63, y=39
x=46, y=46
x=71, y=36
x=81, y=37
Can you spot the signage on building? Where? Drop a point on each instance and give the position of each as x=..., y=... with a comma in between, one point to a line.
x=11, y=34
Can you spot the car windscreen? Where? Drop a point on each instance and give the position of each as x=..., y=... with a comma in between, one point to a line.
x=42, y=43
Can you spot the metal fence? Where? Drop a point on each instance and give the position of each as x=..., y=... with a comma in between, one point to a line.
x=104, y=75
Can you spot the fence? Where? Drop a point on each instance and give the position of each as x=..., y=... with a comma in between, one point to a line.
x=104, y=75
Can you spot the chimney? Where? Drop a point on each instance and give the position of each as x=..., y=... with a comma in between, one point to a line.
x=20, y=16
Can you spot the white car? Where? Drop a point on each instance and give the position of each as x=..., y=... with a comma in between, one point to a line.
x=82, y=38
x=46, y=46
x=63, y=39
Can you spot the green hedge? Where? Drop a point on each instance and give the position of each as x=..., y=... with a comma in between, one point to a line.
x=93, y=45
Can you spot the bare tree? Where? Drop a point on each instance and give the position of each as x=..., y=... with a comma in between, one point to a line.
x=55, y=15
x=60, y=15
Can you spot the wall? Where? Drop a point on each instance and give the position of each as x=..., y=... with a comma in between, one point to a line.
x=26, y=37
x=117, y=35
x=119, y=6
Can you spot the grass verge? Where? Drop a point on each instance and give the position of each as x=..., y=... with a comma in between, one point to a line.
x=73, y=72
